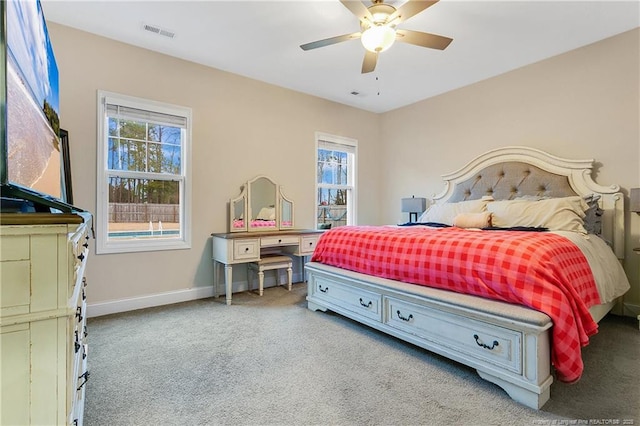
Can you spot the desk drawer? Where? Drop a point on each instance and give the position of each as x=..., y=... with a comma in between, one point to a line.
x=246, y=249
x=308, y=244
x=279, y=240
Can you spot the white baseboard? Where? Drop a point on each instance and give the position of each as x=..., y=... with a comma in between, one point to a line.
x=168, y=298
x=148, y=301
x=631, y=310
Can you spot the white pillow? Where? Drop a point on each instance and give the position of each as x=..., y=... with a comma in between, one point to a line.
x=556, y=214
x=267, y=213
x=446, y=212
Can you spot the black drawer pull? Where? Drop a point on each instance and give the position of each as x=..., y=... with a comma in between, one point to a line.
x=366, y=305
x=84, y=281
x=84, y=375
x=84, y=331
x=326, y=289
x=81, y=257
x=279, y=241
x=407, y=319
x=246, y=249
x=479, y=343
x=76, y=345
x=85, y=245
x=79, y=313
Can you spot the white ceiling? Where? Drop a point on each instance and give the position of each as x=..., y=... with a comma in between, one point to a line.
x=261, y=39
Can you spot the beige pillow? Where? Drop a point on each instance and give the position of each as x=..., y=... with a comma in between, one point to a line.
x=556, y=214
x=472, y=220
x=446, y=212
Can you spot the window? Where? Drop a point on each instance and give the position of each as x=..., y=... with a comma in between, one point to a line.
x=144, y=183
x=335, y=183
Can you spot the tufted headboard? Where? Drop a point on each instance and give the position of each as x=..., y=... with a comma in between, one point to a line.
x=507, y=181
x=516, y=171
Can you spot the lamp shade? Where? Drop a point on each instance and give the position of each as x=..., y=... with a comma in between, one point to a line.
x=634, y=196
x=414, y=205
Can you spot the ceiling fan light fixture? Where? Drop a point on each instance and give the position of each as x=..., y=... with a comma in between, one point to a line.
x=378, y=38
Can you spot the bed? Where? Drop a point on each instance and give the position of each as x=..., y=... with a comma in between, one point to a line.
x=510, y=270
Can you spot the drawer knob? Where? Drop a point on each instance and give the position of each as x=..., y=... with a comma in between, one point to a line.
x=85, y=245
x=79, y=313
x=479, y=343
x=279, y=241
x=84, y=376
x=246, y=249
x=326, y=289
x=81, y=257
x=407, y=319
x=366, y=305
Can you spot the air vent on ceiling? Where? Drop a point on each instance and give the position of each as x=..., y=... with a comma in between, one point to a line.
x=157, y=30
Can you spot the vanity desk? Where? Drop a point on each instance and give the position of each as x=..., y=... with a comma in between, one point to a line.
x=245, y=247
x=261, y=222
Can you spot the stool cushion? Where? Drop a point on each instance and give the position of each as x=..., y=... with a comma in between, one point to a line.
x=267, y=260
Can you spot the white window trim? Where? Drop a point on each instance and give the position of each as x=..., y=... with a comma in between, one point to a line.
x=103, y=245
x=352, y=200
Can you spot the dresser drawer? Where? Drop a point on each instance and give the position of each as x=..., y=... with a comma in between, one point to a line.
x=308, y=244
x=362, y=302
x=487, y=342
x=246, y=249
x=279, y=240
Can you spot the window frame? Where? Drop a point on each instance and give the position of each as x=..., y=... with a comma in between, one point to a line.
x=350, y=146
x=104, y=245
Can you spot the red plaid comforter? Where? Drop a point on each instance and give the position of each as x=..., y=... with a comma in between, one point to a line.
x=541, y=270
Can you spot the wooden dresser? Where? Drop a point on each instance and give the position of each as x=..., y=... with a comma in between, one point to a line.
x=43, y=317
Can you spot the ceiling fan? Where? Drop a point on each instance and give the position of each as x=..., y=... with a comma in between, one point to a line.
x=378, y=29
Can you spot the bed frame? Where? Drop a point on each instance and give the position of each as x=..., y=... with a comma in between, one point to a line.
x=508, y=345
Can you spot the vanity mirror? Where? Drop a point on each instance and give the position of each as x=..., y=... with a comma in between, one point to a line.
x=260, y=207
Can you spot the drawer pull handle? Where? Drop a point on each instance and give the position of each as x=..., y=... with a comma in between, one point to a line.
x=366, y=305
x=81, y=257
x=79, y=313
x=407, y=319
x=326, y=289
x=479, y=343
x=84, y=281
x=85, y=245
x=84, y=295
x=76, y=344
x=84, y=375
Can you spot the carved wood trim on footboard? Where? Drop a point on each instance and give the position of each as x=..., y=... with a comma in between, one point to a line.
x=508, y=345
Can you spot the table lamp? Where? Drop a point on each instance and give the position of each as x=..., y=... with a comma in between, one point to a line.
x=413, y=206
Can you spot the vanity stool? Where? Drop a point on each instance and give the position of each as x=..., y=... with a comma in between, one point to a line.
x=268, y=263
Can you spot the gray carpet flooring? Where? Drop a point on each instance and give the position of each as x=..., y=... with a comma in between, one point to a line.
x=270, y=361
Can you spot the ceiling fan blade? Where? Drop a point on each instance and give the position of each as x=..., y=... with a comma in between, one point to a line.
x=359, y=9
x=329, y=41
x=432, y=41
x=369, y=63
x=409, y=9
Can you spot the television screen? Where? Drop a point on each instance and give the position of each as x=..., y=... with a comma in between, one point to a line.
x=33, y=152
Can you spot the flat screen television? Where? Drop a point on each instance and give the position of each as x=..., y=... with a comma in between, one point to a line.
x=30, y=145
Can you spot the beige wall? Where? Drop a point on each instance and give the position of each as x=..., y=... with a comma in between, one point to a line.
x=241, y=128
x=583, y=104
